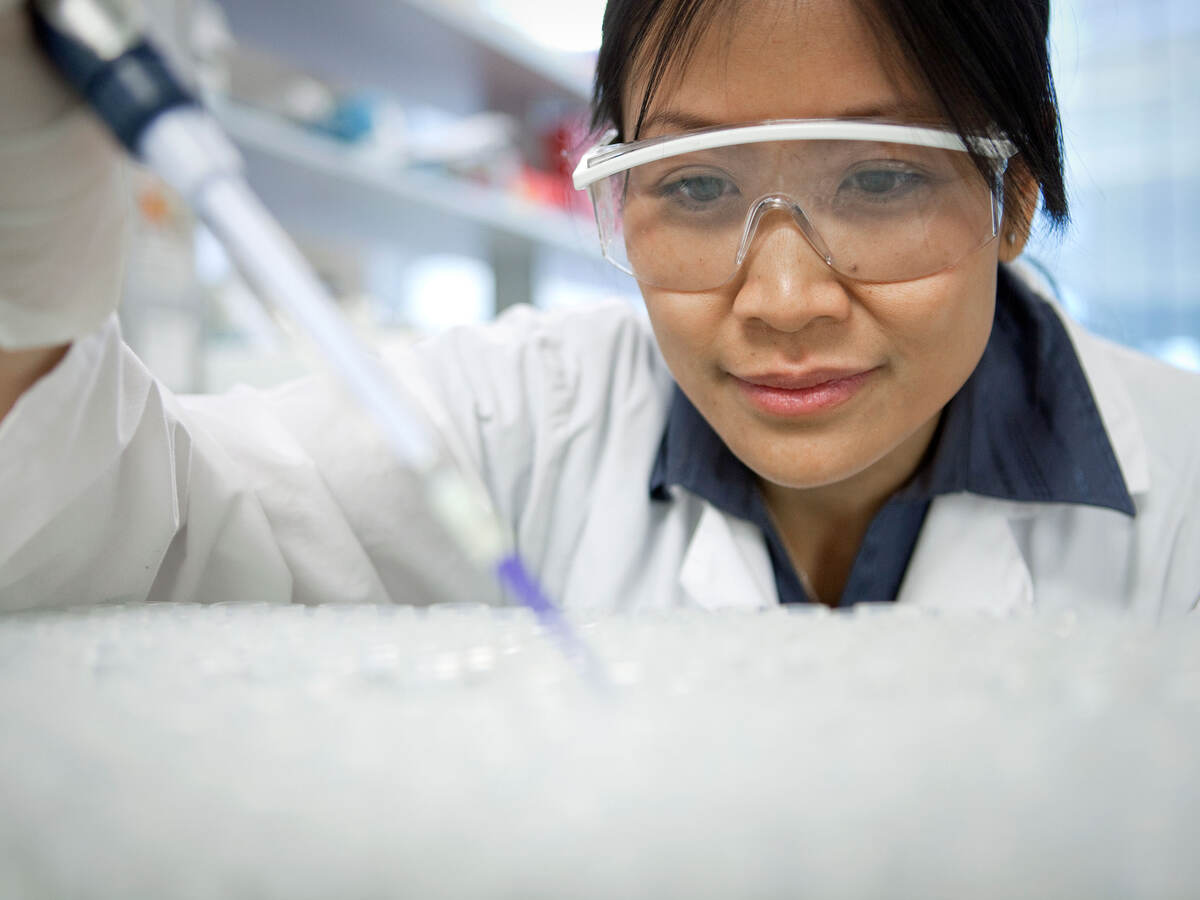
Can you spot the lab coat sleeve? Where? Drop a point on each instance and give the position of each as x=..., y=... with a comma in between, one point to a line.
x=350, y=520
x=531, y=405
x=108, y=496
x=129, y=493
x=526, y=404
x=555, y=409
x=126, y=492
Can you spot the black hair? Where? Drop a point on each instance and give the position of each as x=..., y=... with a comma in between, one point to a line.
x=986, y=62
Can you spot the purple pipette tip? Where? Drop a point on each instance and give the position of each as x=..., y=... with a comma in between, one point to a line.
x=516, y=578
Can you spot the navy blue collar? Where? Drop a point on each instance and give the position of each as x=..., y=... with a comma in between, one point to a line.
x=1024, y=427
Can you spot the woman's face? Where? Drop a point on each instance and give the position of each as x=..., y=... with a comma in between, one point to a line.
x=813, y=380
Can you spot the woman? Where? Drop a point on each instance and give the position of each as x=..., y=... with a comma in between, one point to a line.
x=847, y=395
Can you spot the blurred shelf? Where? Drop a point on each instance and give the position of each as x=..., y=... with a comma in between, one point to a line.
x=461, y=200
x=446, y=52
x=497, y=37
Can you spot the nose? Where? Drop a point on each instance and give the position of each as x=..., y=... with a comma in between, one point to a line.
x=785, y=281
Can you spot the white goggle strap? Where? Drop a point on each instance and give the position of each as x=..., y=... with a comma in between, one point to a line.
x=607, y=159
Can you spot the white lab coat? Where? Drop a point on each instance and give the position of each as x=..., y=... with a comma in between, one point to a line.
x=116, y=490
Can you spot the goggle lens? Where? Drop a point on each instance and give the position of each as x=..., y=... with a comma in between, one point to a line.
x=873, y=211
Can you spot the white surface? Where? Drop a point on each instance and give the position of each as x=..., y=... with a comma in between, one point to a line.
x=251, y=751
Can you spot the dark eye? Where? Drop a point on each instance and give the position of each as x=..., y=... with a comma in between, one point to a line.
x=702, y=188
x=880, y=182
x=697, y=191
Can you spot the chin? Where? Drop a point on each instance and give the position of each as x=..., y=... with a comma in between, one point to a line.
x=812, y=468
x=804, y=481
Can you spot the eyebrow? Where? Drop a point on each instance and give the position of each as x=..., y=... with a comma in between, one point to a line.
x=669, y=121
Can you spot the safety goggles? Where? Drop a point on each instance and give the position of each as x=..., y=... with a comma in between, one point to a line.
x=877, y=201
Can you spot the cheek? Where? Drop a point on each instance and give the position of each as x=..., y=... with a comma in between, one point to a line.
x=938, y=328
x=686, y=327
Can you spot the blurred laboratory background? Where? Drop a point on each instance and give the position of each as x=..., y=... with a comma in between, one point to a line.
x=420, y=153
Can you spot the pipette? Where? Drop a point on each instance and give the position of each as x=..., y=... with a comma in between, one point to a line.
x=101, y=48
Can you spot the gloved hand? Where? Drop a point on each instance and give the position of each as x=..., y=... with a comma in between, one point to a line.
x=63, y=202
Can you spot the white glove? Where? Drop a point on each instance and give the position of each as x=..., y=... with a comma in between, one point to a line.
x=64, y=214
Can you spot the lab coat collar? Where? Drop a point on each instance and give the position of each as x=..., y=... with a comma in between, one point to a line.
x=1112, y=398
x=968, y=558
x=1117, y=410
x=1026, y=425
x=726, y=565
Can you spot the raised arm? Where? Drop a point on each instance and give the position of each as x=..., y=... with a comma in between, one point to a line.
x=62, y=214
x=113, y=489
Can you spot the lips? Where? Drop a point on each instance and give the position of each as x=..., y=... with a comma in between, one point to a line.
x=797, y=394
x=798, y=381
